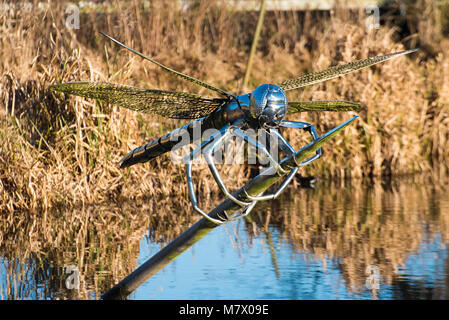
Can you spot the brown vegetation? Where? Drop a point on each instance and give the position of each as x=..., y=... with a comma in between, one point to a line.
x=61, y=152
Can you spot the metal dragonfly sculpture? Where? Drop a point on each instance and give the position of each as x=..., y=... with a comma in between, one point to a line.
x=263, y=109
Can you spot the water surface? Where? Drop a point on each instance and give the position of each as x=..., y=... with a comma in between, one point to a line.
x=309, y=244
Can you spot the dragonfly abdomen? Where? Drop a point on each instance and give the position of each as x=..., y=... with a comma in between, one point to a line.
x=169, y=142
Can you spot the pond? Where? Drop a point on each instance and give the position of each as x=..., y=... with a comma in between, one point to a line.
x=359, y=240
x=217, y=269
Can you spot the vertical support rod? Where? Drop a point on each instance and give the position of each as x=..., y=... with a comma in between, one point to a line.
x=254, y=44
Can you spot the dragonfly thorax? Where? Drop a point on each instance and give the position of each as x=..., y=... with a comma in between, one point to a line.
x=268, y=105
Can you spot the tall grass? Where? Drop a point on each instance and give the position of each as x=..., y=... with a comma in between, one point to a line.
x=64, y=150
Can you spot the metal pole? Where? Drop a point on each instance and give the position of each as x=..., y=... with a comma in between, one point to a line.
x=257, y=185
x=254, y=44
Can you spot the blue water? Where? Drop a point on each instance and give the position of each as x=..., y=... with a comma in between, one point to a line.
x=218, y=267
x=402, y=227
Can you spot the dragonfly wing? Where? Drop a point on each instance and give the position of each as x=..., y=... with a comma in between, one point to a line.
x=170, y=104
x=336, y=71
x=322, y=105
x=179, y=74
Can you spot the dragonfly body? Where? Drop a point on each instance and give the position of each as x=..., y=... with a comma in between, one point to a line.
x=264, y=108
x=190, y=133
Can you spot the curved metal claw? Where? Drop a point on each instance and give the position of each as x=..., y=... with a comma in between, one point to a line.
x=208, y=155
x=188, y=161
x=311, y=129
x=244, y=213
x=261, y=147
x=193, y=197
x=278, y=191
x=207, y=148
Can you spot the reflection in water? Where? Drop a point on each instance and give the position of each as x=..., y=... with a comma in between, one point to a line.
x=309, y=244
x=425, y=273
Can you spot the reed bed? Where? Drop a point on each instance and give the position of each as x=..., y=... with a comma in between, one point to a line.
x=69, y=147
x=63, y=150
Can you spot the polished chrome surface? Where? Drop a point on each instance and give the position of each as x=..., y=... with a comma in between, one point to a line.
x=268, y=105
x=264, y=108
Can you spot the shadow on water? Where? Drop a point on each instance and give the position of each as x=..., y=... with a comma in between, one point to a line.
x=312, y=243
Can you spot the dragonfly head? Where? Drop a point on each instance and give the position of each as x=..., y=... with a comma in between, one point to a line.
x=268, y=105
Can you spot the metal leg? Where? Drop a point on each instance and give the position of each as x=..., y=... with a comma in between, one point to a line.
x=278, y=191
x=311, y=129
x=245, y=212
x=188, y=161
x=281, y=142
x=208, y=151
x=261, y=147
x=288, y=149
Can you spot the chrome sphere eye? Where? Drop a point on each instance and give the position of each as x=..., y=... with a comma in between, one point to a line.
x=258, y=100
x=268, y=104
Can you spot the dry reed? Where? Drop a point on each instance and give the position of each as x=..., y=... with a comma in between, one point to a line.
x=69, y=147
